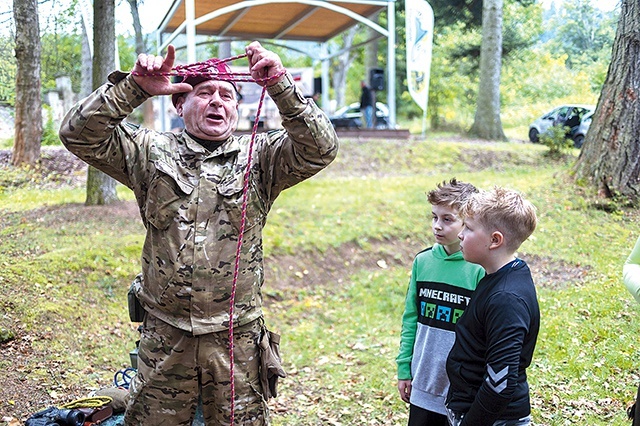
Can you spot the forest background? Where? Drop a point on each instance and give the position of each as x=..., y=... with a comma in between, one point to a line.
x=554, y=53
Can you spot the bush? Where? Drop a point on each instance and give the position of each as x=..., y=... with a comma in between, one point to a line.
x=50, y=128
x=556, y=140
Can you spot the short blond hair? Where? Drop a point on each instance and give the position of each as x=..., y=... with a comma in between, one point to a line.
x=453, y=194
x=503, y=210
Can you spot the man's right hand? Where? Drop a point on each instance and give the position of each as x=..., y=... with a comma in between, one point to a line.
x=157, y=84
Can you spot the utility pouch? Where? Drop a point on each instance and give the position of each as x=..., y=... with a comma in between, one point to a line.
x=270, y=363
x=136, y=311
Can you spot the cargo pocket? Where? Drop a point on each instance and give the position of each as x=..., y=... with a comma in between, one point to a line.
x=270, y=363
x=165, y=196
x=231, y=192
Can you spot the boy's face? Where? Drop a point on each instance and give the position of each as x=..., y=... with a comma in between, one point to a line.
x=446, y=225
x=474, y=241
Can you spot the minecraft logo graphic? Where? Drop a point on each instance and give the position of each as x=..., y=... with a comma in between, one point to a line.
x=440, y=313
x=428, y=310
x=444, y=314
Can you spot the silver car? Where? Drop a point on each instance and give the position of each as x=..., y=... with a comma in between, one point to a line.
x=575, y=116
x=580, y=133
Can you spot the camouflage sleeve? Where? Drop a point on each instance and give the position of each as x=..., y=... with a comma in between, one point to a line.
x=307, y=144
x=93, y=128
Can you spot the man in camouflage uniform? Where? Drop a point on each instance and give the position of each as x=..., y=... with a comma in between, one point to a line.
x=189, y=187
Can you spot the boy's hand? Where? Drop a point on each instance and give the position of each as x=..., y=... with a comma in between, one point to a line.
x=404, y=387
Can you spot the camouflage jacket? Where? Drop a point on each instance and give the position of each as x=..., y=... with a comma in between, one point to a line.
x=190, y=199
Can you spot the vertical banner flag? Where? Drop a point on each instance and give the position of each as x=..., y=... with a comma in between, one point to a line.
x=419, y=33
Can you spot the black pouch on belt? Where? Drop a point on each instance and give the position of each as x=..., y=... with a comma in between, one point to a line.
x=270, y=363
x=136, y=311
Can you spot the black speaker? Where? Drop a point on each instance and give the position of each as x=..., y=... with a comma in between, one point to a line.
x=376, y=79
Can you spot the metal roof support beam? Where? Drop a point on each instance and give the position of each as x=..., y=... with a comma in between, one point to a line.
x=190, y=15
x=325, y=76
x=391, y=63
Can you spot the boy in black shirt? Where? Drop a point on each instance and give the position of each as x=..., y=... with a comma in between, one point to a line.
x=496, y=335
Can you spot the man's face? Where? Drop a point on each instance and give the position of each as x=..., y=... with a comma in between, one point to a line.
x=210, y=110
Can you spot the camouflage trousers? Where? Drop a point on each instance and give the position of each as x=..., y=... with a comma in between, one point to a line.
x=175, y=369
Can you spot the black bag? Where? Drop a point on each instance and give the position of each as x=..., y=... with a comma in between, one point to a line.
x=270, y=363
x=136, y=311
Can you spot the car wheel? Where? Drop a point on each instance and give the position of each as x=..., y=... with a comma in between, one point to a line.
x=534, y=135
x=578, y=141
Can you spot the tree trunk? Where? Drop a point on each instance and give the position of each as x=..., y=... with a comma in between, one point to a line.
x=28, y=106
x=610, y=156
x=487, y=123
x=101, y=189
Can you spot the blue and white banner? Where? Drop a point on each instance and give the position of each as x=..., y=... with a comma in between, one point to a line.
x=419, y=33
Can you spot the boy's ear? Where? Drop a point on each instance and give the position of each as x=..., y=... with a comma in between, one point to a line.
x=497, y=240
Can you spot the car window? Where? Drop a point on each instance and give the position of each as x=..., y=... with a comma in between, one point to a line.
x=584, y=112
x=562, y=112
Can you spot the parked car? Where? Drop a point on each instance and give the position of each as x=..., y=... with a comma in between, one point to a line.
x=580, y=133
x=575, y=116
x=350, y=117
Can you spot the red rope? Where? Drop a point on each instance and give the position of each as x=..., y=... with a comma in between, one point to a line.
x=202, y=69
x=243, y=215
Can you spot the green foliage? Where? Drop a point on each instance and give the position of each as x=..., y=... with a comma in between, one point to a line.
x=583, y=33
x=557, y=141
x=453, y=82
x=466, y=12
x=126, y=52
x=7, y=71
x=61, y=56
x=50, y=128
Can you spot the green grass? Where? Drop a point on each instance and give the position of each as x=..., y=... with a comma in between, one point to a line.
x=64, y=276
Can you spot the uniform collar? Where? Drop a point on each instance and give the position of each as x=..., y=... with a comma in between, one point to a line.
x=228, y=147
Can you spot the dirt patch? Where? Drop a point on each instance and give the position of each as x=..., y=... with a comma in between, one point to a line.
x=57, y=167
x=334, y=267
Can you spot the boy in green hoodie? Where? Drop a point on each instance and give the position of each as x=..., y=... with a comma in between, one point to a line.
x=440, y=288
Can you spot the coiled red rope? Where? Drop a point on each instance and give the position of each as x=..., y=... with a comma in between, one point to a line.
x=208, y=69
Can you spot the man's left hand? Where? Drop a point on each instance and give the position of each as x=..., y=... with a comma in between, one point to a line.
x=264, y=65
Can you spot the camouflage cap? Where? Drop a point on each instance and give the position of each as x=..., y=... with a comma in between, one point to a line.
x=209, y=73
